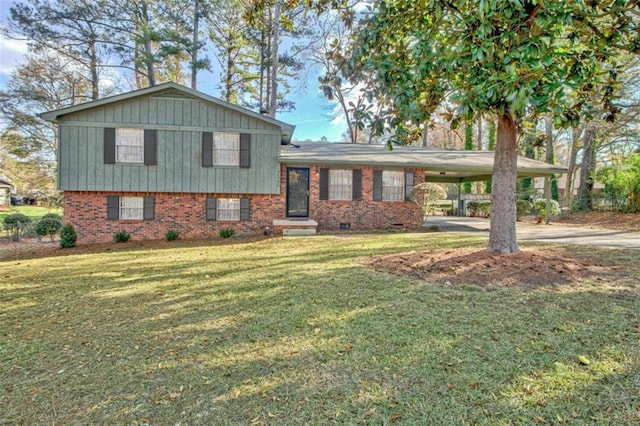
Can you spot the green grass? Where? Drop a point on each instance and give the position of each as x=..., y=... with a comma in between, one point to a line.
x=34, y=212
x=295, y=331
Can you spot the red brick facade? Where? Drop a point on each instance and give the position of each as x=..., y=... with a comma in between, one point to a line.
x=186, y=212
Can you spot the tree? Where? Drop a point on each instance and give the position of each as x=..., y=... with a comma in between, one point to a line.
x=622, y=183
x=508, y=59
x=71, y=29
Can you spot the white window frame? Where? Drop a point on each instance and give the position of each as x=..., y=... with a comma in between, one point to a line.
x=340, y=185
x=131, y=208
x=228, y=209
x=226, y=149
x=393, y=185
x=129, y=145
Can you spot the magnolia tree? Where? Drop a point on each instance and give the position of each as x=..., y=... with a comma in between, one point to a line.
x=506, y=59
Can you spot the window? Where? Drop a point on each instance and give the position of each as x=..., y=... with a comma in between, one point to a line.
x=228, y=209
x=340, y=184
x=131, y=208
x=226, y=149
x=392, y=185
x=129, y=145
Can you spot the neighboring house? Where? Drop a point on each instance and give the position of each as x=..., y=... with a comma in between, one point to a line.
x=5, y=194
x=170, y=158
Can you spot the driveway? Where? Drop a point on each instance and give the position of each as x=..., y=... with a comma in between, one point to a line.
x=553, y=233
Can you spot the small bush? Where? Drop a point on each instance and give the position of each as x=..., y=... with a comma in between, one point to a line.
x=541, y=207
x=171, y=235
x=52, y=216
x=434, y=228
x=122, y=237
x=523, y=208
x=68, y=236
x=48, y=226
x=227, y=233
x=479, y=208
x=16, y=224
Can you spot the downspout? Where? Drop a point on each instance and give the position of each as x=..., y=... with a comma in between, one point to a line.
x=460, y=209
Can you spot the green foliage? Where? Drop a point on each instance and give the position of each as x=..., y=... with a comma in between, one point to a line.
x=171, y=235
x=52, y=216
x=540, y=206
x=427, y=195
x=479, y=208
x=16, y=224
x=48, y=226
x=68, y=236
x=622, y=183
x=523, y=208
x=121, y=236
x=227, y=233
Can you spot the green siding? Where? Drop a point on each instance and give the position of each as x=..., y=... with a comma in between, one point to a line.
x=179, y=123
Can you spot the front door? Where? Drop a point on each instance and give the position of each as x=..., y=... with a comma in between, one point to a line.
x=297, y=192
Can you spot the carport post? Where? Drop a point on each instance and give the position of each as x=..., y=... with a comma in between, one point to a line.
x=547, y=194
x=460, y=208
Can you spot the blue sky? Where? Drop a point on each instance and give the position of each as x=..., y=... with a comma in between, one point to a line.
x=312, y=116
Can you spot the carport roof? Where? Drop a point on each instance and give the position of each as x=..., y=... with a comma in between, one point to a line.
x=440, y=165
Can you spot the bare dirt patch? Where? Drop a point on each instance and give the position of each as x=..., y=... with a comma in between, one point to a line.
x=529, y=268
x=610, y=220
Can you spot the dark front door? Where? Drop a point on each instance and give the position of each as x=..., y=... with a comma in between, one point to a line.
x=297, y=192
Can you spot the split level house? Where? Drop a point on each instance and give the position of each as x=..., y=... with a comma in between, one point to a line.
x=171, y=158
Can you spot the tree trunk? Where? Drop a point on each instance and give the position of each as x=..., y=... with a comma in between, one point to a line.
x=229, y=91
x=275, y=63
x=502, y=237
x=93, y=64
x=148, y=50
x=425, y=134
x=194, y=51
x=585, y=201
x=573, y=154
x=550, y=156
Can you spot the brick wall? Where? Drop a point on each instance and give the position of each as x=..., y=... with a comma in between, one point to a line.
x=186, y=213
x=183, y=212
x=366, y=213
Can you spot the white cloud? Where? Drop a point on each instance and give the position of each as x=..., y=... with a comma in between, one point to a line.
x=11, y=53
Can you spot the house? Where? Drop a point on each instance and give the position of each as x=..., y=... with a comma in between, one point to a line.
x=5, y=194
x=171, y=158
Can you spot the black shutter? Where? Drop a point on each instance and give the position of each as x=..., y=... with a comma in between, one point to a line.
x=357, y=185
x=377, y=185
x=113, y=207
x=207, y=149
x=245, y=150
x=408, y=185
x=324, y=184
x=149, y=208
x=150, y=147
x=245, y=209
x=212, y=204
x=109, y=145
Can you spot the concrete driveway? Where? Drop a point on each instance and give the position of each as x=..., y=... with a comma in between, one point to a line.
x=553, y=233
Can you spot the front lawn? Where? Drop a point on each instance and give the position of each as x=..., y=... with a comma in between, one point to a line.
x=34, y=212
x=298, y=331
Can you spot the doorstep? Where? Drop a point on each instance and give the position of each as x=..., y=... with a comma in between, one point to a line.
x=295, y=227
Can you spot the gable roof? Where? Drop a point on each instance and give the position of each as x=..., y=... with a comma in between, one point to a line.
x=441, y=165
x=287, y=129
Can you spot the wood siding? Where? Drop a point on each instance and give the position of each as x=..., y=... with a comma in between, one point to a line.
x=179, y=124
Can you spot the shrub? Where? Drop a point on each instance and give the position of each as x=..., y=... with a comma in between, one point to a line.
x=523, y=208
x=48, y=226
x=541, y=207
x=479, y=208
x=16, y=223
x=52, y=216
x=227, y=233
x=121, y=236
x=68, y=236
x=171, y=235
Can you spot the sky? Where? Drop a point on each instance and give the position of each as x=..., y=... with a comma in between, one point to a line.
x=312, y=115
